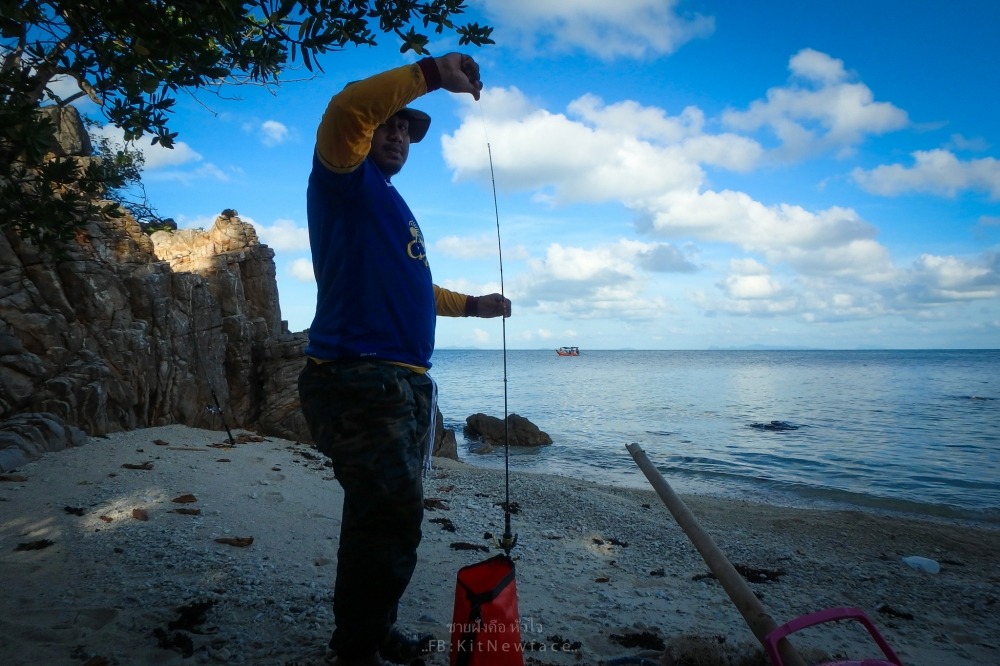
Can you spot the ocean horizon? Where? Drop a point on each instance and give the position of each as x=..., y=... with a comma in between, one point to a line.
x=900, y=431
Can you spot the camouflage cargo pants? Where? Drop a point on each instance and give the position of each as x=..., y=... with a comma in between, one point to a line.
x=372, y=420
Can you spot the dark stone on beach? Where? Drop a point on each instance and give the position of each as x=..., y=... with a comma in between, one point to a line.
x=190, y=616
x=179, y=642
x=886, y=609
x=519, y=431
x=445, y=444
x=751, y=574
x=645, y=640
x=776, y=426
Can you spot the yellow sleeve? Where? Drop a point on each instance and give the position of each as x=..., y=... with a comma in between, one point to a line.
x=345, y=133
x=449, y=303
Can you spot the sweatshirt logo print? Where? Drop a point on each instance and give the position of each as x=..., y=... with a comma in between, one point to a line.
x=415, y=248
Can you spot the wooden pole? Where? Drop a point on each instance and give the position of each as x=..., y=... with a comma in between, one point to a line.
x=739, y=592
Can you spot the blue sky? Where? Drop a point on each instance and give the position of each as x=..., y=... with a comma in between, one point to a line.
x=670, y=175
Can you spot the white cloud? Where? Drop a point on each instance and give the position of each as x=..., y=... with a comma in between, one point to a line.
x=747, y=266
x=580, y=265
x=663, y=258
x=820, y=109
x=754, y=307
x=156, y=157
x=466, y=248
x=610, y=280
x=302, y=269
x=835, y=240
x=751, y=286
x=272, y=133
x=974, y=144
x=750, y=279
x=858, y=259
x=209, y=170
x=206, y=171
x=199, y=222
x=652, y=164
x=480, y=336
x=282, y=235
x=553, y=153
x=821, y=264
x=917, y=293
x=607, y=30
x=937, y=172
x=640, y=122
x=950, y=278
x=633, y=121
x=65, y=87
x=812, y=65
x=466, y=286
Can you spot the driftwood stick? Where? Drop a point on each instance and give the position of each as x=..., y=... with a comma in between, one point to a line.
x=760, y=623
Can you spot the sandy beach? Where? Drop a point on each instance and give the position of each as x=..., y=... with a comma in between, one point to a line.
x=168, y=546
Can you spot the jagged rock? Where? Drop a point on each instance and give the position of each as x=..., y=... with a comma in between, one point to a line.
x=71, y=138
x=115, y=339
x=120, y=331
x=280, y=364
x=124, y=330
x=445, y=444
x=29, y=435
x=519, y=430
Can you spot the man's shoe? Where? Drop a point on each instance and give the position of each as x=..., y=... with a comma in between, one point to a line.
x=401, y=647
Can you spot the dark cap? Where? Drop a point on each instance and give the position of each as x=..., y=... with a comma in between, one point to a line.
x=419, y=121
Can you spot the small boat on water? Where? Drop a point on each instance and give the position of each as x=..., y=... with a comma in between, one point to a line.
x=568, y=351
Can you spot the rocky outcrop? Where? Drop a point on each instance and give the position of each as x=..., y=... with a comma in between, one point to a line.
x=27, y=436
x=518, y=431
x=119, y=330
x=71, y=138
x=123, y=330
x=445, y=444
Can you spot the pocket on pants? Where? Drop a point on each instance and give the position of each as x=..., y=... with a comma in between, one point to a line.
x=363, y=416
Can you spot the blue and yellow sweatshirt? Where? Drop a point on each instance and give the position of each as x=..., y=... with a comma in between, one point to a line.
x=376, y=298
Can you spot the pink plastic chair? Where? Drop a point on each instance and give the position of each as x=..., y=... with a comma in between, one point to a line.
x=831, y=615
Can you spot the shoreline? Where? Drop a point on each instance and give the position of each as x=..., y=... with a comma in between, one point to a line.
x=595, y=563
x=819, y=499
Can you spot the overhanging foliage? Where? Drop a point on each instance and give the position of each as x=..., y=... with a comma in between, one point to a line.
x=132, y=57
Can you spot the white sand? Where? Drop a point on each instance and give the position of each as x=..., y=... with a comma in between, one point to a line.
x=110, y=582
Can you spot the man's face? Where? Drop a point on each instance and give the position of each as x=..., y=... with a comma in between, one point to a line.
x=391, y=145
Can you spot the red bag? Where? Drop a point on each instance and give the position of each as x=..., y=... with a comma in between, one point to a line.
x=486, y=627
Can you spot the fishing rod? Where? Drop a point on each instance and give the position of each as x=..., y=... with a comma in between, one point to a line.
x=486, y=627
x=509, y=540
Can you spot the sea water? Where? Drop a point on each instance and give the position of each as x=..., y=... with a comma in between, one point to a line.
x=916, y=432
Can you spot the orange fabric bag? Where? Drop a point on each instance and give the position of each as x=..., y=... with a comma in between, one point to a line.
x=486, y=626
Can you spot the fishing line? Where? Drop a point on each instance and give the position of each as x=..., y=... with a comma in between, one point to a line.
x=509, y=540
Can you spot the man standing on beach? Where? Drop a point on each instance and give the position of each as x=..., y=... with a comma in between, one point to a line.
x=364, y=390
